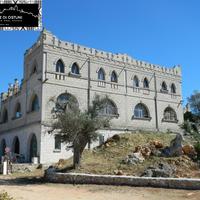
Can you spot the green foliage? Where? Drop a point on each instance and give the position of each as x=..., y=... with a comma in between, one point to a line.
x=77, y=128
x=5, y=196
x=187, y=126
x=194, y=102
x=197, y=148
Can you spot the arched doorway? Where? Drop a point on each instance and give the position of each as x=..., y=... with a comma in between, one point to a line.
x=33, y=147
x=3, y=147
x=16, y=145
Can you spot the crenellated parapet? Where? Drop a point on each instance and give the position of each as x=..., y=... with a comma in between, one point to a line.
x=48, y=39
x=13, y=89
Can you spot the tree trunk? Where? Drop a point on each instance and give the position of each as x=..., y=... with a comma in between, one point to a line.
x=78, y=150
x=76, y=157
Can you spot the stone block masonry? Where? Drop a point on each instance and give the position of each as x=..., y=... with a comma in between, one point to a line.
x=76, y=178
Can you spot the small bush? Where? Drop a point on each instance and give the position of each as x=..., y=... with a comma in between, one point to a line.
x=5, y=196
x=197, y=148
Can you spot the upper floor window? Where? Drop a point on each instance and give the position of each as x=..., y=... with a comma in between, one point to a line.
x=18, y=112
x=173, y=88
x=109, y=109
x=101, y=74
x=135, y=81
x=66, y=101
x=164, y=87
x=75, y=69
x=33, y=69
x=114, y=77
x=60, y=67
x=170, y=115
x=146, y=83
x=5, y=116
x=35, y=104
x=141, y=111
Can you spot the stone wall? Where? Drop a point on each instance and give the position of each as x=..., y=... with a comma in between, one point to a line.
x=73, y=178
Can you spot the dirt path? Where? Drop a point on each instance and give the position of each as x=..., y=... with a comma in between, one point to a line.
x=93, y=192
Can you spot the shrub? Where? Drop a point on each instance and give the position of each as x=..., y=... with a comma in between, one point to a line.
x=197, y=148
x=5, y=196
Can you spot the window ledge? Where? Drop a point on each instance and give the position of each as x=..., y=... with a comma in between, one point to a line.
x=15, y=118
x=74, y=75
x=112, y=116
x=170, y=121
x=164, y=91
x=56, y=150
x=144, y=118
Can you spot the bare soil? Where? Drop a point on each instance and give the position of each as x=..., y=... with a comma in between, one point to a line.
x=93, y=192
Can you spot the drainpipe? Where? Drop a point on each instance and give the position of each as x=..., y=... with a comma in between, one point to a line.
x=155, y=100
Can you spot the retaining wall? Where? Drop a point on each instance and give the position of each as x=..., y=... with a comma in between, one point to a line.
x=76, y=178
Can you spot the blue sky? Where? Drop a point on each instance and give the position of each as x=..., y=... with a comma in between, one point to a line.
x=164, y=32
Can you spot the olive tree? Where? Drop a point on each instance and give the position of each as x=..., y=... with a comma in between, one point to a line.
x=77, y=128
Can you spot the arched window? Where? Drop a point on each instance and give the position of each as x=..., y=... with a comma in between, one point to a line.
x=34, y=69
x=101, y=74
x=60, y=67
x=173, y=88
x=135, y=81
x=5, y=116
x=75, y=69
x=146, y=83
x=33, y=146
x=35, y=104
x=3, y=147
x=66, y=101
x=18, y=112
x=170, y=115
x=109, y=109
x=114, y=77
x=141, y=111
x=164, y=87
x=16, y=145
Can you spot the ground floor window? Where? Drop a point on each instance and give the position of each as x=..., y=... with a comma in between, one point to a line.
x=57, y=145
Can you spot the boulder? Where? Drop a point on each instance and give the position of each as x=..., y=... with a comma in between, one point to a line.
x=157, y=144
x=175, y=148
x=161, y=170
x=118, y=172
x=133, y=159
x=189, y=150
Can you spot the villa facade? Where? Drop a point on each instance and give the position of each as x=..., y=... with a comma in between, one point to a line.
x=141, y=95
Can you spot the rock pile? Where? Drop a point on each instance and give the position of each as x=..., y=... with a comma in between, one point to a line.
x=161, y=170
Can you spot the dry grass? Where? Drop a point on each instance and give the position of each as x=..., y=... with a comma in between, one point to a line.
x=105, y=160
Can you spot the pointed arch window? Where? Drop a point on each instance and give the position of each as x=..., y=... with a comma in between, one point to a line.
x=146, y=83
x=35, y=104
x=114, y=77
x=60, y=67
x=101, y=74
x=18, y=112
x=75, y=69
x=5, y=116
x=173, y=88
x=164, y=87
x=170, y=115
x=135, y=81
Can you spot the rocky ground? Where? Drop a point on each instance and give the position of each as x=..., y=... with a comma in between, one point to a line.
x=140, y=154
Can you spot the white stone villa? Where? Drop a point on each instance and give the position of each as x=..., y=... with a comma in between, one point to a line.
x=141, y=95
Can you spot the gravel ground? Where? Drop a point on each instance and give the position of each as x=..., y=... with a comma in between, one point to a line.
x=42, y=191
